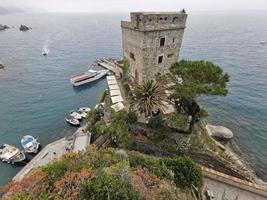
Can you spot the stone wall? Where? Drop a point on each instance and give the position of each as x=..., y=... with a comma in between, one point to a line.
x=141, y=41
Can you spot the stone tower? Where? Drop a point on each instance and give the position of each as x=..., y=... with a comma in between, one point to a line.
x=152, y=41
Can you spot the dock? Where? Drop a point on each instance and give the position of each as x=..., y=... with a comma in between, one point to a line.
x=110, y=64
x=77, y=142
x=81, y=141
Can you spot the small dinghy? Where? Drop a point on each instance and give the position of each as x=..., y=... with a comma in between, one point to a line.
x=71, y=120
x=75, y=115
x=11, y=154
x=44, y=52
x=84, y=109
x=83, y=114
x=30, y=144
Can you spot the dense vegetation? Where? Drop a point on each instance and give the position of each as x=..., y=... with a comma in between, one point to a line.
x=109, y=174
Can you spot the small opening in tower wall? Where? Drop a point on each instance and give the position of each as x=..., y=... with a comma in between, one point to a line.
x=162, y=41
x=132, y=56
x=173, y=39
x=160, y=59
x=170, y=55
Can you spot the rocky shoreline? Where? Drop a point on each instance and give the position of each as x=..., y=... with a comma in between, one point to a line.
x=235, y=155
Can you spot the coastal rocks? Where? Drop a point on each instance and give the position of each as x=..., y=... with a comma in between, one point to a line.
x=24, y=28
x=3, y=27
x=220, y=132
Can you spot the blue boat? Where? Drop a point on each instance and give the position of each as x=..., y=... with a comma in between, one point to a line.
x=30, y=144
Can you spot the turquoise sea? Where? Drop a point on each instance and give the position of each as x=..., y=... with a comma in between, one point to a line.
x=35, y=93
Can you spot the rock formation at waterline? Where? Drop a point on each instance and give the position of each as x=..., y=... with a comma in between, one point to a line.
x=24, y=28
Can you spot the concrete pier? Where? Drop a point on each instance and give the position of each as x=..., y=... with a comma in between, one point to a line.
x=78, y=142
x=50, y=152
x=111, y=65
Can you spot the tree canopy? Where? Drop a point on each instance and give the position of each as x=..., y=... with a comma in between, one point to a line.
x=199, y=78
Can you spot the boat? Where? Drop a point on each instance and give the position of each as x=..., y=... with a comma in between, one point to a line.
x=30, y=144
x=87, y=77
x=11, y=154
x=83, y=114
x=84, y=109
x=75, y=115
x=263, y=42
x=44, y=52
x=71, y=120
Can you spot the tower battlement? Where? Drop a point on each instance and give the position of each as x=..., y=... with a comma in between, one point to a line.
x=149, y=21
x=152, y=41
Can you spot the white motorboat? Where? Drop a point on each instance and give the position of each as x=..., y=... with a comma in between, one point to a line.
x=30, y=144
x=84, y=109
x=11, y=154
x=83, y=114
x=263, y=42
x=44, y=52
x=76, y=115
x=87, y=77
x=71, y=120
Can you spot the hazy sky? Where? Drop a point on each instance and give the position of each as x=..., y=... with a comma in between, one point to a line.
x=133, y=5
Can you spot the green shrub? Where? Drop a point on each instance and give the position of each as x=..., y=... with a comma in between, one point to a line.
x=21, y=196
x=99, y=128
x=55, y=170
x=44, y=196
x=105, y=186
x=186, y=172
x=131, y=117
x=177, y=121
x=155, y=122
x=151, y=163
x=120, y=128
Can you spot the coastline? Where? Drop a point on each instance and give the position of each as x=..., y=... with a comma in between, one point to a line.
x=234, y=152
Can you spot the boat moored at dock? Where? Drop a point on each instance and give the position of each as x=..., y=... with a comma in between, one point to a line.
x=30, y=144
x=87, y=77
x=11, y=154
x=76, y=115
x=71, y=120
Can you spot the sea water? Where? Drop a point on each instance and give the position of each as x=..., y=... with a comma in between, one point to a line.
x=36, y=95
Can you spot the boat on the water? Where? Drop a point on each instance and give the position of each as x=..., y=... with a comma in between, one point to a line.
x=44, y=52
x=263, y=42
x=71, y=120
x=87, y=77
x=83, y=114
x=84, y=109
x=76, y=115
x=11, y=154
x=30, y=144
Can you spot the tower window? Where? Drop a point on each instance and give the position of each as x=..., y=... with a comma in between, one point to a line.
x=160, y=59
x=132, y=56
x=161, y=18
x=173, y=39
x=165, y=18
x=162, y=41
x=170, y=55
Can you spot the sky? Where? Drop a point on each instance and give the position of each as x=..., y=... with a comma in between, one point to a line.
x=134, y=5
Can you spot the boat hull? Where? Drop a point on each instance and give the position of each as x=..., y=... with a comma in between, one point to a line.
x=99, y=76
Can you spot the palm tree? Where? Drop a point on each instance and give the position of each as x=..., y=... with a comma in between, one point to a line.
x=147, y=96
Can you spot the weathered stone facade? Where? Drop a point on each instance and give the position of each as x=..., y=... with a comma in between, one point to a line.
x=152, y=41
